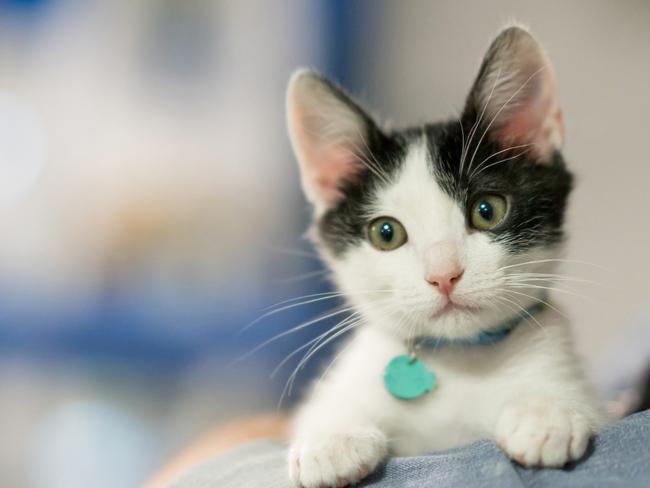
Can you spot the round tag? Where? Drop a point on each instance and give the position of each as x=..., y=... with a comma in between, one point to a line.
x=407, y=378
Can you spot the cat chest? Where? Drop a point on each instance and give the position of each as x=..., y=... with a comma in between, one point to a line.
x=464, y=403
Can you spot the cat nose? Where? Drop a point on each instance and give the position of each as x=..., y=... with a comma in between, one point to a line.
x=445, y=282
x=443, y=267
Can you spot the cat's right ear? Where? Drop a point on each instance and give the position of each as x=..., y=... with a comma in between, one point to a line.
x=329, y=133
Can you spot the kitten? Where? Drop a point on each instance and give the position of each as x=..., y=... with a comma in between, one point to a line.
x=442, y=236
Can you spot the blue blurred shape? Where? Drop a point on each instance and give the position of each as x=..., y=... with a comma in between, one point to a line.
x=23, y=4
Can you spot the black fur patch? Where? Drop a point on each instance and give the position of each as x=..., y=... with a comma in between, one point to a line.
x=537, y=193
x=344, y=225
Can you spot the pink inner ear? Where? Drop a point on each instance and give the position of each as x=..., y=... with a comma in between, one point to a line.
x=326, y=160
x=537, y=120
x=330, y=166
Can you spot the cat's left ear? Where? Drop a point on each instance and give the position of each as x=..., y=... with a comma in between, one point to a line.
x=514, y=96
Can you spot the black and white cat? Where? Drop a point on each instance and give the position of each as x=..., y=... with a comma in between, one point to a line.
x=444, y=237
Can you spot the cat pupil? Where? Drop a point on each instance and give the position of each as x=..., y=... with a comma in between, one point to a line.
x=486, y=211
x=386, y=232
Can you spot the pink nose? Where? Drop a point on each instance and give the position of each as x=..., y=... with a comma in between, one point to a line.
x=445, y=282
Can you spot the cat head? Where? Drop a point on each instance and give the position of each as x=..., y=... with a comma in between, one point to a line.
x=446, y=228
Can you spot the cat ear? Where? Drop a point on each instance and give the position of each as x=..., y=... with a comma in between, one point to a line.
x=515, y=98
x=329, y=134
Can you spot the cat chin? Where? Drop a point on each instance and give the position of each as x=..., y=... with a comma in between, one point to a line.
x=456, y=326
x=452, y=324
x=454, y=307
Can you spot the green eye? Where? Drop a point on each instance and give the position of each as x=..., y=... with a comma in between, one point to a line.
x=386, y=233
x=488, y=212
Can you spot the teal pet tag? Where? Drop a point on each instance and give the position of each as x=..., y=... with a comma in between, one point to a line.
x=408, y=378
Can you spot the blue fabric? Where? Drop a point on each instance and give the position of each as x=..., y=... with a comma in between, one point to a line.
x=618, y=457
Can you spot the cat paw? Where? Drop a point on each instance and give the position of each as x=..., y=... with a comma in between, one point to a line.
x=543, y=435
x=338, y=460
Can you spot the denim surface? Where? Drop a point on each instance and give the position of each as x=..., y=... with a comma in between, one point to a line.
x=618, y=457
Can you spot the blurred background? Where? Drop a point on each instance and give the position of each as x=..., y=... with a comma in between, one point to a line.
x=150, y=206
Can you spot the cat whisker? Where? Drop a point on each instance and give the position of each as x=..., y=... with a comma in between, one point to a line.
x=462, y=147
x=526, y=312
x=291, y=331
x=316, y=347
x=496, y=154
x=476, y=124
x=494, y=118
x=523, y=278
x=290, y=382
x=541, y=283
x=475, y=173
x=304, y=276
x=351, y=144
x=302, y=297
x=358, y=311
x=295, y=252
x=288, y=357
x=331, y=364
x=549, y=277
x=523, y=224
x=560, y=290
x=537, y=299
x=544, y=281
x=318, y=297
x=405, y=322
x=288, y=307
x=385, y=176
x=550, y=260
x=313, y=342
x=371, y=166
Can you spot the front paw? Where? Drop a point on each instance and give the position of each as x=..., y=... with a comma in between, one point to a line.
x=336, y=460
x=543, y=434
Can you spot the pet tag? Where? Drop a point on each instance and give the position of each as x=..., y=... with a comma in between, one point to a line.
x=408, y=378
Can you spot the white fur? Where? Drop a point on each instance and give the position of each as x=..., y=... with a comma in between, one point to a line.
x=527, y=392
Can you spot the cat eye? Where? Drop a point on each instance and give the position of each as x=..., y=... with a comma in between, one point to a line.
x=386, y=233
x=488, y=212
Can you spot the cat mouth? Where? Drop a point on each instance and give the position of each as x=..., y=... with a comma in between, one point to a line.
x=451, y=307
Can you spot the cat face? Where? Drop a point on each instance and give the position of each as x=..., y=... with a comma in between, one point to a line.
x=427, y=229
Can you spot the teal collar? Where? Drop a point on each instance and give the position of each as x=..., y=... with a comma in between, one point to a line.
x=484, y=337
